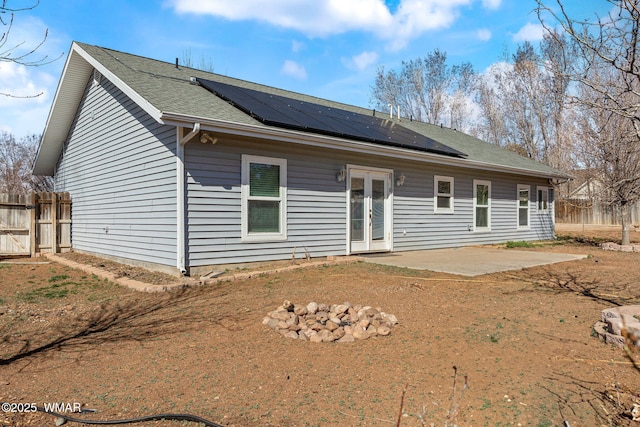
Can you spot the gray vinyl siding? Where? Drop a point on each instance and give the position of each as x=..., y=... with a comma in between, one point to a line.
x=119, y=166
x=416, y=226
x=317, y=204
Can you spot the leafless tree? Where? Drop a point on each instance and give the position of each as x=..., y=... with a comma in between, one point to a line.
x=491, y=124
x=524, y=85
x=610, y=152
x=461, y=95
x=15, y=51
x=607, y=74
x=16, y=160
x=427, y=89
x=522, y=103
x=557, y=56
x=205, y=64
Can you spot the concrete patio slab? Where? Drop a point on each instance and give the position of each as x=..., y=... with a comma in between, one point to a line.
x=469, y=260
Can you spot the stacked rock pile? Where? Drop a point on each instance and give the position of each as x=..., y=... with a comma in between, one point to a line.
x=610, y=246
x=616, y=320
x=327, y=323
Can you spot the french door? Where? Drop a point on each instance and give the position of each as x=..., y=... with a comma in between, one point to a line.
x=369, y=210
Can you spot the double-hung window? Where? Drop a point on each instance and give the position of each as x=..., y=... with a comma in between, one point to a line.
x=264, y=198
x=482, y=205
x=523, y=206
x=543, y=199
x=443, y=194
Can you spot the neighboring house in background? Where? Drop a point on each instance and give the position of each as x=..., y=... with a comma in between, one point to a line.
x=181, y=170
x=583, y=200
x=584, y=185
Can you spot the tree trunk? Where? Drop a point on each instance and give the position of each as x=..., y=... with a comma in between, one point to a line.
x=625, y=214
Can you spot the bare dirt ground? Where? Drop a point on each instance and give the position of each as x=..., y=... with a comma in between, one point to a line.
x=596, y=233
x=523, y=339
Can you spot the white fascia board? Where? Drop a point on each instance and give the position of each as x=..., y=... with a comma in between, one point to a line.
x=316, y=140
x=53, y=134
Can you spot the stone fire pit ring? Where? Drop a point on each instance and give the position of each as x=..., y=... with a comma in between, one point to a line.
x=328, y=323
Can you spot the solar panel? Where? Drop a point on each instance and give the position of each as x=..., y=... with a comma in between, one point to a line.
x=289, y=113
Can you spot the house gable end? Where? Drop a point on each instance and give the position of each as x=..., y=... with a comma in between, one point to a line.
x=77, y=70
x=118, y=164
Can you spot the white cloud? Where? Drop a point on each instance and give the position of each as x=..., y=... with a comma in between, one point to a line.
x=491, y=4
x=25, y=95
x=362, y=61
x=321, y=18
x=483, y=34
x=28, y=33
x=297, y=46
x=293, y=69
x=22, y=112
x=14, y=81
x=314, y=18
x=499, y=67
x=530, y=32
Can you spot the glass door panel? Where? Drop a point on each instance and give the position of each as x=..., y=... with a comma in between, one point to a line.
x=357, y=209
x=369, y=211
x=377, y=209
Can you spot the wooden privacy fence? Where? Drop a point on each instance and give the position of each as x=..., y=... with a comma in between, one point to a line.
x=581, y=211
x=35, y=223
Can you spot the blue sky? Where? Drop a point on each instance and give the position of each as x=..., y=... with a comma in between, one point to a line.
x=326, y=48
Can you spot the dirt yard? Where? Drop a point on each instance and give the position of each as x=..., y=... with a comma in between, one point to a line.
x=523, y=339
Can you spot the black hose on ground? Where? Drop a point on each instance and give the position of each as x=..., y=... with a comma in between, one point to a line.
x=158, y=417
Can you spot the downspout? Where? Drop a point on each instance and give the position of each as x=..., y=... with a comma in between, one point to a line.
x=180, y=196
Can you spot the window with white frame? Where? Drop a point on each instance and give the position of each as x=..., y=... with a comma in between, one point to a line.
x=443, y=194
x=523, y=206
x=482, y=205
x=264, y=202
x=543, y=199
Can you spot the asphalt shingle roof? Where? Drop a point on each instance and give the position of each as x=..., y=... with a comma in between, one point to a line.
x=168, y=88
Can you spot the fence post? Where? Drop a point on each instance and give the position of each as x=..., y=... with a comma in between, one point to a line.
x=64, y=222
x=54, y=222
x=32, y=223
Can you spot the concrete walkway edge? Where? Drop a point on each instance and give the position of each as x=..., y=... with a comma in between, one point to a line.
x=470, y=260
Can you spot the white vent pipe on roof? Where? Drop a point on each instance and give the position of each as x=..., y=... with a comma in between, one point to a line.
x=391, y=111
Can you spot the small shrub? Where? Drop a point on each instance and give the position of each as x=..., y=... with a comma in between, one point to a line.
x=519, y=244
x=54, y=293
x=56, y=290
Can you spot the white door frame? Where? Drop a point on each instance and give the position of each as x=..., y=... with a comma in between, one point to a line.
x=369, y=244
